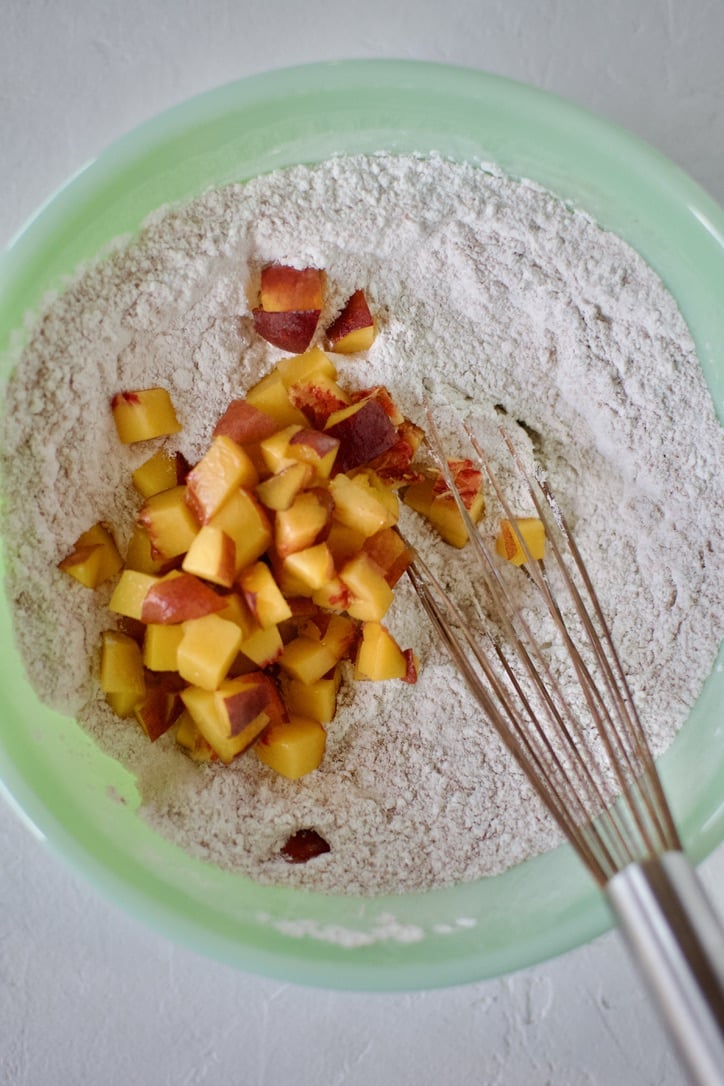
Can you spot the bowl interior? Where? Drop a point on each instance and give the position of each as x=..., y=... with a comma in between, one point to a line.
x=83, y=802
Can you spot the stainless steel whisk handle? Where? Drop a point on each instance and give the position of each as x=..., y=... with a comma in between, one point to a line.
x=678, y=942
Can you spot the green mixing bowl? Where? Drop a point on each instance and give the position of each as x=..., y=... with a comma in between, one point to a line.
x=49, y=767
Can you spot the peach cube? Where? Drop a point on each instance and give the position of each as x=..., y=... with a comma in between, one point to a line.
x=263, y=647
x=303, y=367
x=244, y=520
x=160, y=472
x=307, y=660
x=319, y=450
x=160, y=646
x=285, y=288
x=179, y=597
x=360, y=505
x=313, y=567
x=143, y=414
x=279, y=491
x=292, y=748
x=262, y=596
x=94, y=558
x=190, y=738
x=212, y=555
x=223, y=468
x=207, y=649
x=130, y=592
x=302, y=524
x=121, y=665
x=379, y=657
x=317, y=700
x=508, y=545
x=169, y=521
x=275, y=449
x=139, y=555
x=231, y=717
x=270, y=396
x=354, y=328
x=371, y=594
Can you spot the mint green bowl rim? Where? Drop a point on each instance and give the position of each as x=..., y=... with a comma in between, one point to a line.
x=304, y=114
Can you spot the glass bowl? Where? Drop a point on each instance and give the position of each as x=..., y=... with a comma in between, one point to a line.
x=50, y=769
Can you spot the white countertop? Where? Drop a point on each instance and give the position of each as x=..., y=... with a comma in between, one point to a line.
x=88, y=995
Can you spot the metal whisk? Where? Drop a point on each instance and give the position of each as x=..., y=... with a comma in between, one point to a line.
x=587, y=757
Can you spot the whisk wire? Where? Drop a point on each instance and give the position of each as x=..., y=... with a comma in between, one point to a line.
x=586, y=756
x=577, y=790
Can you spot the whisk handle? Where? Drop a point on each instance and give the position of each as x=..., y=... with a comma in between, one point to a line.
x=678, y=941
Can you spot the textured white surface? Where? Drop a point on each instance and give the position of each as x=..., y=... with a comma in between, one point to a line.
x=88, y=995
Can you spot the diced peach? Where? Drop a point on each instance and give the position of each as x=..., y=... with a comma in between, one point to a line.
x=333, y=595
x=263, y=646
x=379, y=657
x=431, y=498
x=395, y=466
x=212, y=555
x=208, y=713
x=207, y=648
x=160, y=472
x=244, y=423
x=292, y=748
x=244, y=705
x=364, y=431
x=290, y=331
x=84, y=565
x=275, y=449
x=284, y=288
x=158, y=711
x=270, y=396
x=144, y=413
x=130, y=592
x=317, y=700
x=223, y=468
x=304, y=367
x=170, y=600
x=420, y=496
x=444, y=515
x=94, y=558
x=313, y=566
x=371, y=594
x=279, y=491
x=381, y=395
x=121, y=665
x=316, y=449
x=340, y=636
x=344, y=541
x=388, y=549
x=190, y=738
x=262, y=596
x=361, y=506
x=235, y=610
x=140, y=556
x=509, y=546
x=169, y=521
x=304, y=522
x=354, y=328
x=318, y=396
x=160, y=647
x=307, y=660
x=244, y=520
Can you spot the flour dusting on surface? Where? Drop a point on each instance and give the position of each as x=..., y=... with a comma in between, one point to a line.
x=496, y=297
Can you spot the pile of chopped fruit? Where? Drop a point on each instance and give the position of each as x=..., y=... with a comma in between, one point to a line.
x=251, y=576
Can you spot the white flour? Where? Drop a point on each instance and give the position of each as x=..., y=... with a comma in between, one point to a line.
x=498, y=295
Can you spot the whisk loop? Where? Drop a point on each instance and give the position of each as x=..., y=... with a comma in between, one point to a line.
x=576, y=733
